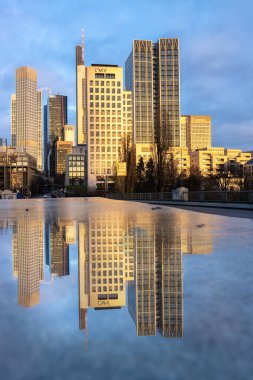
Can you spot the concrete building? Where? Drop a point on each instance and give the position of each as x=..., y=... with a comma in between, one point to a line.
x=152, y=73
x=17, y=169
x=76, y=166
x=248, y=172
x=104, y=122
x=63, y=148
x=28, y=114
x=69, y=133
x=216, y=159
x=196, y=132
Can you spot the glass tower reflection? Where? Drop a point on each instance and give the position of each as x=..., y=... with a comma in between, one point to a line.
x=123, y=260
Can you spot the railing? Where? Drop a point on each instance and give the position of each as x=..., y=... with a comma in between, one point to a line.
x=193, y=196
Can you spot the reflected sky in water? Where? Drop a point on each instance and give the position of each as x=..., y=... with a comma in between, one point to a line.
x=108, y=289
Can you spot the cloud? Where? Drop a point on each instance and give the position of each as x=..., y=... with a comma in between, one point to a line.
x=216, y=50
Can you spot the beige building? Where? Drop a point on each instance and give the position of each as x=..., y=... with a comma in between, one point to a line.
x=13, y=120
x=213, y=160
x=196, y=132
x=17, y=169
x=181, y=158
x=28, y=114
x=105, y=124
x=69, y=133
x=63, y=148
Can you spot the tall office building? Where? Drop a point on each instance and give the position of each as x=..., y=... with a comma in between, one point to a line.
x=81, y=99
x=104, y=119
x=57, y=117
x=27, y=110
x=13, y=120
x=152, y=73
x=196, y=132
x=40, y=141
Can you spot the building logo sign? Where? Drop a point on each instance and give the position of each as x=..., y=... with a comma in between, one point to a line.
x=100, y=70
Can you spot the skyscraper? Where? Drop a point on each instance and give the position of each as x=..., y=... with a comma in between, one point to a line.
x=40, y=142
x=13, y=120
x=26, y=110
x=152, y=73
x=26, y=114
x=57, y=117
x=81, y=128
x=104, y=120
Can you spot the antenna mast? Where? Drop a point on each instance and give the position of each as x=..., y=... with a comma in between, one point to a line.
x=82, y=30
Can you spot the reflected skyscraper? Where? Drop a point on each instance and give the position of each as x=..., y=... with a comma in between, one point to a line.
x=155, y=297
x=59, y=251
x=28, y=259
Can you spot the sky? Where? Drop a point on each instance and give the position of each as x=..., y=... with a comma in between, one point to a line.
x=216, y=46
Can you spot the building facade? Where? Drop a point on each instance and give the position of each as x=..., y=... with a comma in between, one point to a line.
x=69, y=133
x=81, y=98
x=13, y=120
x=152, y=73
x=3, y=142
x=76, y=166
x=17, y=169
x=57, y=117
x=63, y=148
x=28, y=129
x=196, y=132
x=104, y=122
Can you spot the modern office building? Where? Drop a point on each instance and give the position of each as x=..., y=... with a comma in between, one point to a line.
x=3, y=142
x=63, y=148
x=57, y=117
x=152, y=73
x=28, y=114
x=76, y=166
x=40, y=134
x=69, y=133
x=81, y=99
x=196, y=132
x=104, y=121
x=13, y=120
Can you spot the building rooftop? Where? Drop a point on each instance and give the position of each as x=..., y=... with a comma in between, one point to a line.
x=103, y=65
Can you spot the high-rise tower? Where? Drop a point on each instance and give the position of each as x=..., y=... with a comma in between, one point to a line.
x=152, y=73
x=26, y=110
x=80, y=96
x=57, y=117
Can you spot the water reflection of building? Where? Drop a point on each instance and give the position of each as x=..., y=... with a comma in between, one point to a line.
x=59, y=250
x=105, y=263
x=28, y=259
x=155, y=297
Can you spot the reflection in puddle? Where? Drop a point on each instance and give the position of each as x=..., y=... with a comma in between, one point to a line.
x=132, y=260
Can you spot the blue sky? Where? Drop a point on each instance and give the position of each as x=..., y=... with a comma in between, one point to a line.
x=216, y=38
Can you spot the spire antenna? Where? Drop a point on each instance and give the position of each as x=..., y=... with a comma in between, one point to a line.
x=82, y=30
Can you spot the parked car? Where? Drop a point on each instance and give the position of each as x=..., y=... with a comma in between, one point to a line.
x=54, y=195
x=45, y=196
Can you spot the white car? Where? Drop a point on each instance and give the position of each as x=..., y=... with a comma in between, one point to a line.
x=45, y=196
